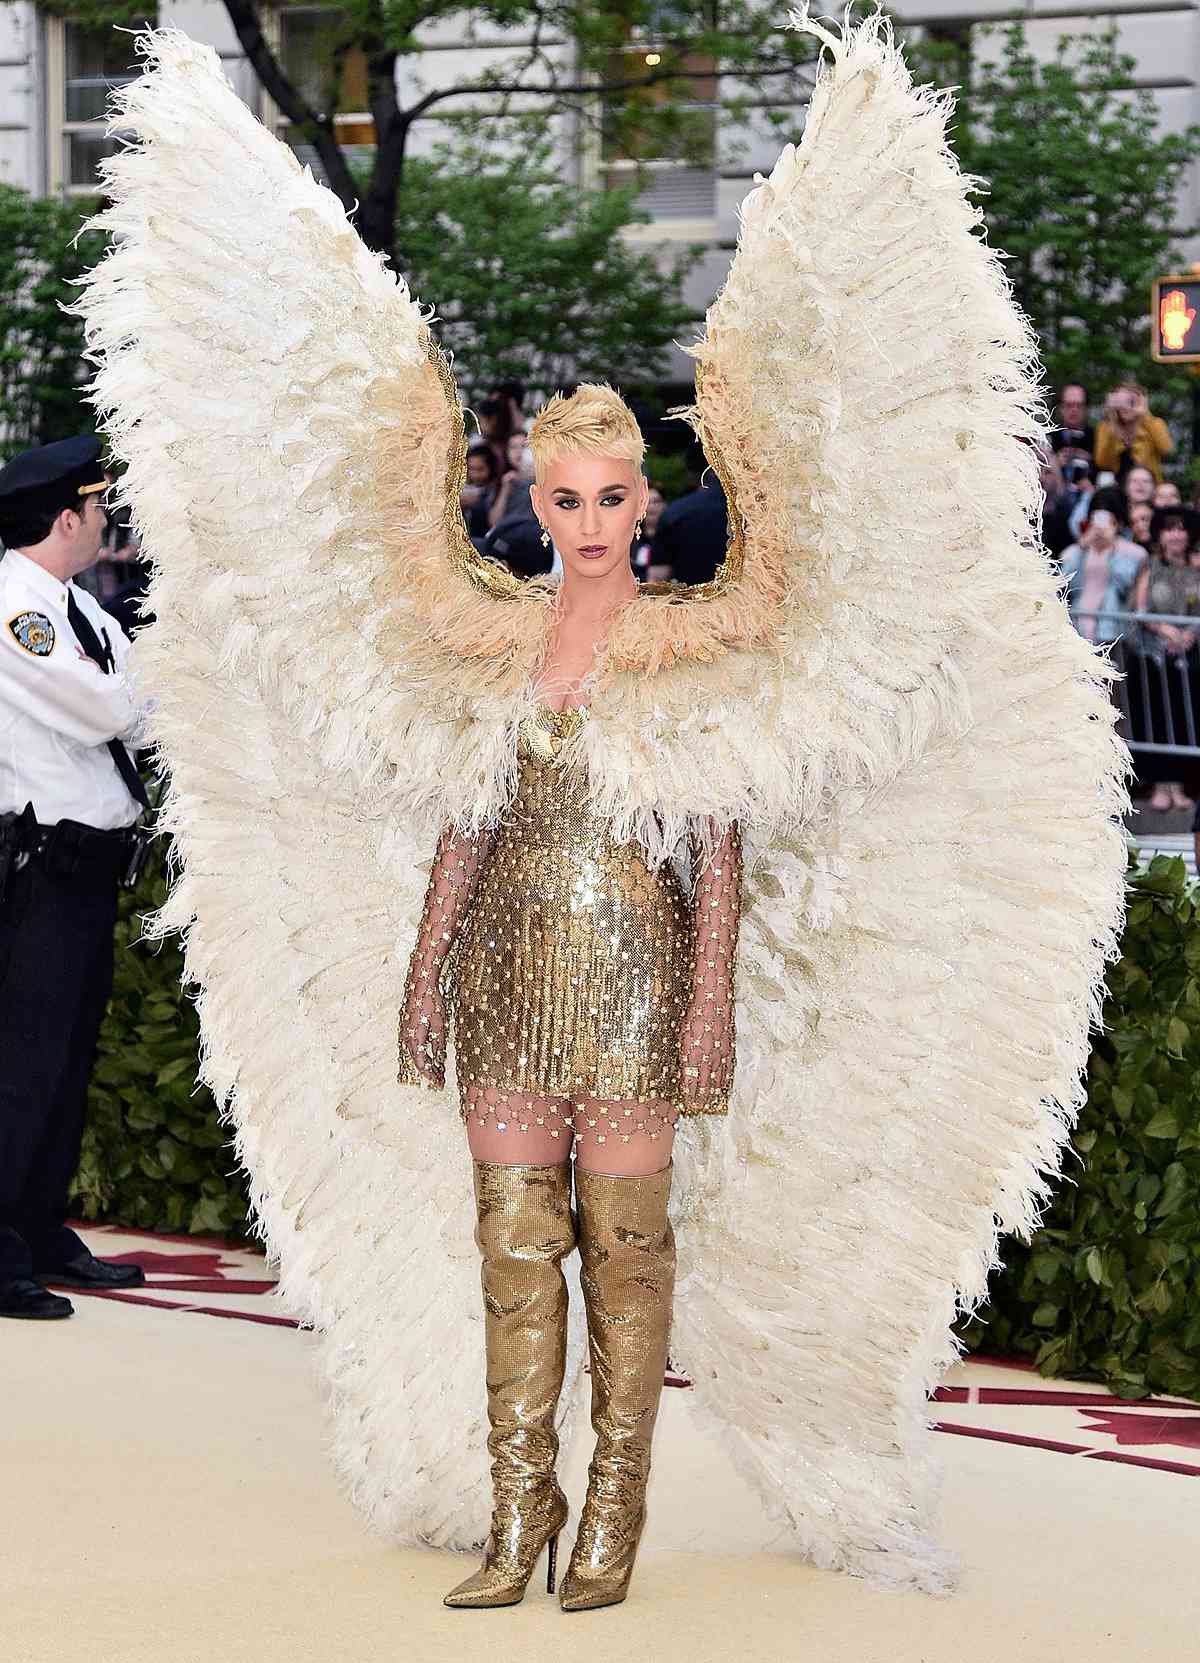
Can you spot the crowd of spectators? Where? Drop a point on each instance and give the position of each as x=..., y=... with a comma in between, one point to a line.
x=1127, y=545
x=684, y=539
x=1129, y=550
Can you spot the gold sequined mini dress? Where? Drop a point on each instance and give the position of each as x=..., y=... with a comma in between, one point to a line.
x=568, y=968
x=573, y=968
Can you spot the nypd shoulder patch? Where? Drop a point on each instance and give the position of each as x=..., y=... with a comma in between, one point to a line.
x=34, y=632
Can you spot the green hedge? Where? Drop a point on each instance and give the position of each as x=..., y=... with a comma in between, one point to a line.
x=1109, y=1289
x=153, y=1154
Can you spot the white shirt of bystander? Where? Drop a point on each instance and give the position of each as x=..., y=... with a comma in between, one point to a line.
x=58, y=709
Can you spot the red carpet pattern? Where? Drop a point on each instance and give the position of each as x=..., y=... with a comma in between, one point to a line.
x=984, y=1397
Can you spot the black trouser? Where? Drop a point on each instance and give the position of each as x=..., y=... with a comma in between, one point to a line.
x=56, y=970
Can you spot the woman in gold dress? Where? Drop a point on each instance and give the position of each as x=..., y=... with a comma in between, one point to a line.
x=591, y=1001
x=932, y=811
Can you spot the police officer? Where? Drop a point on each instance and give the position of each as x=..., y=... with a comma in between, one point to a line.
x=70, y=796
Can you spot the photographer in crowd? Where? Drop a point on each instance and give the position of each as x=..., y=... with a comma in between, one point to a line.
x=1129, y=434
x=1074, y=439
x=1101, y=569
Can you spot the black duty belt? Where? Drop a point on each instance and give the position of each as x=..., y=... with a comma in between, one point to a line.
x=69, y=848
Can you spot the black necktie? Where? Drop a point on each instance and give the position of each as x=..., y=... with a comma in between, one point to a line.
x=102, y=655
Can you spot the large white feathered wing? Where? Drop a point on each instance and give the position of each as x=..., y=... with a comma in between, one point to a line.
x=920, y=966
x=247, y=344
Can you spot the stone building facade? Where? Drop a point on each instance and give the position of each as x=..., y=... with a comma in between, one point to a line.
x=54, y=78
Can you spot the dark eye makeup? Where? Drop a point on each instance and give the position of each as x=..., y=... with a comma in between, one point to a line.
x=568, y=500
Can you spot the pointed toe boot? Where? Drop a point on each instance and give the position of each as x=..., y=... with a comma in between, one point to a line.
x=524, y=1231
x=627, y=1249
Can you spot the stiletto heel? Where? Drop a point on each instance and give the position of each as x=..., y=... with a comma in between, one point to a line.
x=628, y=1278
x=551, y=1562
x=525, y=1229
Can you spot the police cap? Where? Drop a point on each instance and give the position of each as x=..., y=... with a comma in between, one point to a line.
x=51, y=477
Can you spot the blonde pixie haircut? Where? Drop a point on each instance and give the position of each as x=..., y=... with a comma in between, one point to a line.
x=594, y=418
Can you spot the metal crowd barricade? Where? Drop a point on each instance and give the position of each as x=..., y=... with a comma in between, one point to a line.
x=1157, y=700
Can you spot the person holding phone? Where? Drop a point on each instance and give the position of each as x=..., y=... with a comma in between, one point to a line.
x=1129, y=434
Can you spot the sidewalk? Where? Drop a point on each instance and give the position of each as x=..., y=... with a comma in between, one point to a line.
x=176, y=1506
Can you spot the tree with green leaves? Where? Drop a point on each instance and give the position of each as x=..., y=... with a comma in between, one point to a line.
x=640, y=72
x=532, y=278
x=1078, y=189
x=41, y=348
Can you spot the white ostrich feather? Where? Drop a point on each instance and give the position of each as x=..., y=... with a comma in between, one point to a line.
x=922, y=960
x=923, y=757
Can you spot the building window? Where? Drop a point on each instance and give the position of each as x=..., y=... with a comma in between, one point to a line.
x=327, y=74
x=672, y=163
x=83, y=66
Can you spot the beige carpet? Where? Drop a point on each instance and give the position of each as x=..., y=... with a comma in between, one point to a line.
x=168, y=1500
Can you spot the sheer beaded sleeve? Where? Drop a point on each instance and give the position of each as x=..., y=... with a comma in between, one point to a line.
x=707, y=1038
x=453, y=878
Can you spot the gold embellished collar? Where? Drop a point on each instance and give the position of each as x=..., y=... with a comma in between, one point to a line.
x=548, y=730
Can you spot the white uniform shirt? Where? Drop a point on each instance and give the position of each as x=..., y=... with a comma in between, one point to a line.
x=58, y=709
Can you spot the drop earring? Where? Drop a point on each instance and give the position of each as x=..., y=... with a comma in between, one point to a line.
x=637, y=530
x=545, y=538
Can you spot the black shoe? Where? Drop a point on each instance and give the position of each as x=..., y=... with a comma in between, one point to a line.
x=86, y=1271
x=21, y=1296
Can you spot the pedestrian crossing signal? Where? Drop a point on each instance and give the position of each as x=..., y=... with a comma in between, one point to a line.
x=1175, y=319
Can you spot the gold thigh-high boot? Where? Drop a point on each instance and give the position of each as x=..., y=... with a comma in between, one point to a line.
x=627, y=1249
x=525, y=1229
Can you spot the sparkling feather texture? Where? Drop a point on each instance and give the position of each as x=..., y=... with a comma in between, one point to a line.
x=892, y=703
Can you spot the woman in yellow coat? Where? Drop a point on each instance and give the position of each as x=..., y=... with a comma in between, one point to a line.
x=1129, y=434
